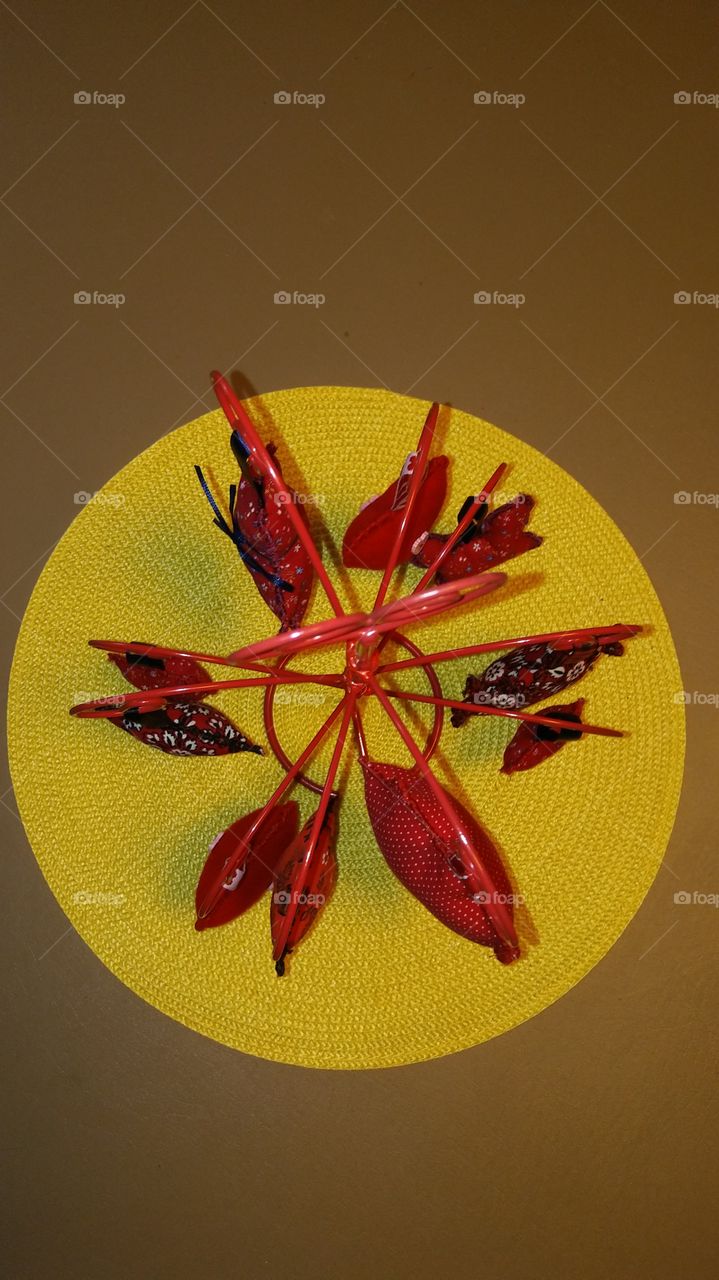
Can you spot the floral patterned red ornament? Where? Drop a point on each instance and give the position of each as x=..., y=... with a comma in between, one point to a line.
x=492, y=538
x=533, y=672
x=434, y=845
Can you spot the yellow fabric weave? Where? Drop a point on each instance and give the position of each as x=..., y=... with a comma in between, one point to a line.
x=121, y=831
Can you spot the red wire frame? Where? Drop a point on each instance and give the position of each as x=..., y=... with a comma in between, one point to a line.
x=422, y=603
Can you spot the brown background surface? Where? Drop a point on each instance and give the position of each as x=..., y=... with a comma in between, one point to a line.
x=583, y=1143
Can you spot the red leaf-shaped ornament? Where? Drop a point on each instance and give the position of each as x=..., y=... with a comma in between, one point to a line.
x=417, y=842
x=533, y=743
x=490, y=540
x=182, y=728
x=370, y=537
x=147, y=671
x=254, y=874
x=528, y=674
x=265, y=535
x=260, y=519
x=302, y=886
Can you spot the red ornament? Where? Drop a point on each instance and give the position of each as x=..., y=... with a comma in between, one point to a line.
x=370, y=537
x=182, y=728
x=265, y=534
x=533, y=743
x=302, y=886
x=491, y=539
x=528, y=674
x=420, y=847
x=147, y=670
x=259, y=857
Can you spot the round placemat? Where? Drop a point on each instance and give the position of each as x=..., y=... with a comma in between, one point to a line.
x=121, y=831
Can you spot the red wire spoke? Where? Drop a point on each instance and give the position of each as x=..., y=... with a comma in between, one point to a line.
x=417, y=608
x=330, y=631
x=478, y=708
x=462, y=528
x=366, y=626
x=238, y=419
x=147, y=700
x=162, y=651
x=620, y=631
x=479, y=877
x=423, y=447
x=214, y=892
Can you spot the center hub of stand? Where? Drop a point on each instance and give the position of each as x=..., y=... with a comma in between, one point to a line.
x=362, y=662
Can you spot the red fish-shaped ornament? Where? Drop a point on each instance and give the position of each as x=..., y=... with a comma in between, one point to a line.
x=183, y=728
x=489, y=540
x=149, y=671
x=534, y=743
x=253, y=876
x=417, y=842
x=527, y=674
x=370, y=537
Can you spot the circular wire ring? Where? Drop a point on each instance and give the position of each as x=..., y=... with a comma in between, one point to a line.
x=433, y=736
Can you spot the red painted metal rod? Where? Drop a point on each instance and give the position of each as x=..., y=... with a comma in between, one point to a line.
x=621, y=631
x=478, y=708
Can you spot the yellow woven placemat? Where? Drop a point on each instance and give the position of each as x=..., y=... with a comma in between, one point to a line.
x=121, y=831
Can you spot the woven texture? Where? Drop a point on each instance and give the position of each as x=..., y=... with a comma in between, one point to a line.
x=121, y=831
